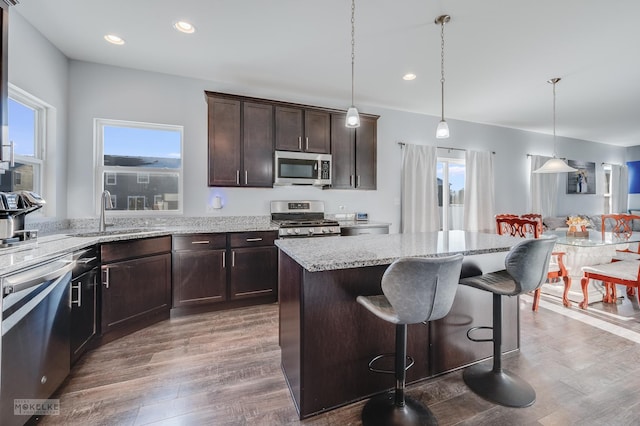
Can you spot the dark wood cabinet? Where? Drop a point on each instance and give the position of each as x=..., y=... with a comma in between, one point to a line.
x=305, y=130
x=225, y=270
x=240, y=149
x=199, y=269
x=254, y=265
x=354, y=153
x=136, y=283
x=84, y=298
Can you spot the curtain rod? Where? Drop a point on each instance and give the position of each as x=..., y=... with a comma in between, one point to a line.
x=531, y=155
x=611, y=164
x=443, y=147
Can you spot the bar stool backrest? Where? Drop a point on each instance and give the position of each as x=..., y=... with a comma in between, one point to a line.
x=528, y=263
x=422, y=289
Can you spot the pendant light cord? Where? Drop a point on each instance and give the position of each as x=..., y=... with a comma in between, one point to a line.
x=554, y=120
x=353, y=45
x=442, y=67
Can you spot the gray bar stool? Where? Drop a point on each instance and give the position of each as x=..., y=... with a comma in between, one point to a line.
x=415, y=290
x=526, y=265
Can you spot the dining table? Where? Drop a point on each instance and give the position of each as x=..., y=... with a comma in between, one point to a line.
x=596, y=248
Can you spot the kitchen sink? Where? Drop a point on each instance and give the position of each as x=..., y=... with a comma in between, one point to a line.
x=110, y=232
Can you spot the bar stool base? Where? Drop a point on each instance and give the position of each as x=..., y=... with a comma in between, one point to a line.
x=381, y=410
x=503, y=387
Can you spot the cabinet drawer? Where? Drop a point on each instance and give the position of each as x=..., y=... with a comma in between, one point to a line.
x=252, y=239
x=111, y=252
x=199, y=242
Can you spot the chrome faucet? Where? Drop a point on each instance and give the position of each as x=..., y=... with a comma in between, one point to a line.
x=105, y=204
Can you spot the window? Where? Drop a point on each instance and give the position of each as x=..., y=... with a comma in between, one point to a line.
x=607, y=188
x=140, y=163
x=26, y=116
x=450, y=173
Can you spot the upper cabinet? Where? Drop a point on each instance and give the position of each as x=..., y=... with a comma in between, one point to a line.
x=354, y=153
x=240, y=142
x=244, y=132
x=304, y=130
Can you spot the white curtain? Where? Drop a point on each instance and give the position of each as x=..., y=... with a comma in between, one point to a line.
x=619, y=188
x=544, y=188
x=478, y=192
x=419, y=189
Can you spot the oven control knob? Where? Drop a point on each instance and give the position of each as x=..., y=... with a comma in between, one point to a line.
x=310, y=231
x=289, y=231
x=296, y=231
x=325, y=230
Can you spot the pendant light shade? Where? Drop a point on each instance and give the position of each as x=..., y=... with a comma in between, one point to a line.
x=353, y=118
x=555, y=165
x=442, y=132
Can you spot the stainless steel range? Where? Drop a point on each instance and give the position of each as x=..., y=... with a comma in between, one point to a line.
x=302, y=219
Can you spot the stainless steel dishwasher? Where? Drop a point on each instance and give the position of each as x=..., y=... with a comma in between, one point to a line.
x=36, y=309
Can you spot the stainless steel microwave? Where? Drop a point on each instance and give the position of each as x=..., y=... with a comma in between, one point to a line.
x=302, y=168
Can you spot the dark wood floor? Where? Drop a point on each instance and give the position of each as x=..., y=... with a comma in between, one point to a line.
x=223, y=368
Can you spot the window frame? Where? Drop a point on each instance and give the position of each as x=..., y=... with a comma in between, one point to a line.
x=447, y=157
x=101, y=169
x=38, y=161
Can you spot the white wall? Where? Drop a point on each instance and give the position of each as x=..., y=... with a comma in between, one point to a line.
x=39, y=68
x=99, y=91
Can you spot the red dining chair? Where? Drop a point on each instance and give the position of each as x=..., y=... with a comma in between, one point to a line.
x=621, y=226
x=530, y=225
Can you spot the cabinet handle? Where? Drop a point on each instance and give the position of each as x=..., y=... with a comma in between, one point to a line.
x=233, y=259
x=237, y=177
x=358, y=184
x=246, y=177
x=105, y=277
x=79, y=288
x=224, y=259
x=200, y=242
x=251, y=240
x=86, y=260
x=350, y=180
x=300, y=143
x=307, y=144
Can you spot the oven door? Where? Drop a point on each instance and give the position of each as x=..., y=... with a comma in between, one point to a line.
x=301, y=168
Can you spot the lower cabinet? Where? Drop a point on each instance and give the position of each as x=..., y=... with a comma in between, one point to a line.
x=199, y=269
x=254, y=269
x=84, y=298
x=136, y=283
x=224, y=270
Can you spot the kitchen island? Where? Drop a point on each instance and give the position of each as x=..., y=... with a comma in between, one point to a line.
x=327, y=339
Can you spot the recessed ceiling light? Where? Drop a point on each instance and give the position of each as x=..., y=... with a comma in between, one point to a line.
x=114, y=39
x=185, y=27
x=409, y=77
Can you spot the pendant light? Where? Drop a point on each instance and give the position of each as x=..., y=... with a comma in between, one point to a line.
x=353, y=118
x=442, y=132
x=555, y=165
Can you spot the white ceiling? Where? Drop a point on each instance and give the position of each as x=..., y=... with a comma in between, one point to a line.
x=498, y=54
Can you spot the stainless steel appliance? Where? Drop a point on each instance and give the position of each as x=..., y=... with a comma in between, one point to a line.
x=36, y=311
x=302, y=168
x=302, y=219
x=13, y=208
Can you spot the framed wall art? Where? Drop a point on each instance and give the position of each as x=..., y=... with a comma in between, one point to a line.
x=584, y=180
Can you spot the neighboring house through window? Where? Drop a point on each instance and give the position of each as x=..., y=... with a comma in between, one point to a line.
x=140, y=163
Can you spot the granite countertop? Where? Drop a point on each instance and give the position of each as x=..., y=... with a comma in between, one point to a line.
x=51, y=245
x=330, y=253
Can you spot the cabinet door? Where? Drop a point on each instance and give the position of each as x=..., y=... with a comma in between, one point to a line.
x=342, y=153
x=254, y=272
x=289, y=122
x=199, y=277
x=133, y=289
x=257, y=144
x=83, y=312
x=317, y=129
x=366, y=146
x=224, y=142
